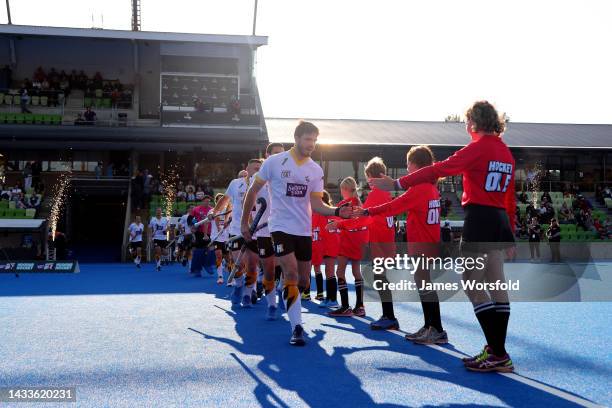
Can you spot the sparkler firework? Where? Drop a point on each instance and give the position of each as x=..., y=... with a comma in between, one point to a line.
x=58, y=200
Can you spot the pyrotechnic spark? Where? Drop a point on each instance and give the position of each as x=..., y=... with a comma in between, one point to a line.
x=535, y=184
x=169, y=181
x=58, y=200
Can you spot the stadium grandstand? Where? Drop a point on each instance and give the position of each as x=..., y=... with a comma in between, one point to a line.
x=190, y=102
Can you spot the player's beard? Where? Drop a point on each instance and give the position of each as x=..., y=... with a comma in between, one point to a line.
x=302, y=152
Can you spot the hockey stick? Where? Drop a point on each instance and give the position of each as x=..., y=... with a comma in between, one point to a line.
x=238, y=264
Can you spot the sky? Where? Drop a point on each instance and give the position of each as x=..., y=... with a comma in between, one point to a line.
x=537, y=60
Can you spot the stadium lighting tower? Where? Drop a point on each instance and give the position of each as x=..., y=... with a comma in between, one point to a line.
x=8, y=11
x=135, y=15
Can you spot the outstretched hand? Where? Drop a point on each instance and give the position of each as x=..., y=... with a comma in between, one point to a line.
x=359, y=212
x=346, y=211
x=383, y=182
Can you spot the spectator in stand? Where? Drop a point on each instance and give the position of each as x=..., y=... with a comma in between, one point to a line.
x=554, y=239
x=190, y=190
x=565, y=214
x=608, y=228
x=546, y=197
x=446, y=236
x=200, y=194
x=34, y=201
x=535, y=232
x=599, y=228
x=606, y=193
x=27, y=176
x=98, y=170
x=235, y=109
x=522, y=197
x=90, y=116
x=25, y=100
x=523, y=231
x=208, y=190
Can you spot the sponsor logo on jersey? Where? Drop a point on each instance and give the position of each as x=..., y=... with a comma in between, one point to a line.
x=296, y=190
x=285, y=173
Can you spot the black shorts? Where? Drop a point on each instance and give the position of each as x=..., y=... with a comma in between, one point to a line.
x=284, y=244
x=237, y=244
x=221, y=247
x=200, y=240
x=485, y=228
x=186, y=243
x=266, y=249
x=162, y=243
x=135, y=245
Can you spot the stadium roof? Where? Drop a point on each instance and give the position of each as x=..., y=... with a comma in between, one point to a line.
x=67, y=32
x=378, y=132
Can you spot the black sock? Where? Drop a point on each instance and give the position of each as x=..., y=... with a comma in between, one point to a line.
x=277, y=272
x=486, y=314
x=319, y=280
x=431, y=309
x=386, y=298
x=331, y=288
x=359, y=292
x=343, y=293
x=501, y=327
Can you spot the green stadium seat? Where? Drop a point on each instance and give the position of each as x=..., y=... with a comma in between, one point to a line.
x=106, y=102
x=8, y=99
x=10, y=118
x=28, y=118
x=2, y=117
x=30, y=212
x=35, y=100
x=4, y=203
x=86, y=101
x=16, y=99
x=98, y=93
x=47, y=119
x=19, y=118
x=38, y=119
x=44, y=100
x=11, y=205
x=56, y=119
x=19, y=213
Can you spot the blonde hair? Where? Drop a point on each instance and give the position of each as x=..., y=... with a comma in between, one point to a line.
x=350, y=184
x=375, y=168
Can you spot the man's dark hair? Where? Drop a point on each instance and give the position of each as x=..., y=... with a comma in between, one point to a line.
x=305, y=128
x=271, y=147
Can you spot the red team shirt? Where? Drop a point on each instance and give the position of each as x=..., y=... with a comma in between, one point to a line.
x=422, y=203
x=487, y=167
x=199, y=213
x=354, y=233
x=382, y=228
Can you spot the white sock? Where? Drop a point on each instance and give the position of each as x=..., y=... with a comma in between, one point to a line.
x=220, y=271
x=159, y=262
x=295, y=312
x=271, y=298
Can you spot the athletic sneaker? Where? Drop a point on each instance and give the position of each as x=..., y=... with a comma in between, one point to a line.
x=306, y=295
x=260, y=290
x=297, y=338
x=341, y=312
x=158, y=268
x=485, y=349
x=319, y=297
x=489, y=362
x=359, y=311
x=417, y=334
x=384, y=323
x=432, y=336
x=254, y=298
x=220, y=280
x=246, y=301
x=271, y=313
x=323, y=303
x=332, y=304
x=138, y=265
x=236, y=295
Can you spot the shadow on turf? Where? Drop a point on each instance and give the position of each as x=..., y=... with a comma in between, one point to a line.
x=321, y=379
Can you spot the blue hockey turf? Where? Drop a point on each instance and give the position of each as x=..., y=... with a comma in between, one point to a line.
x=125, y=337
